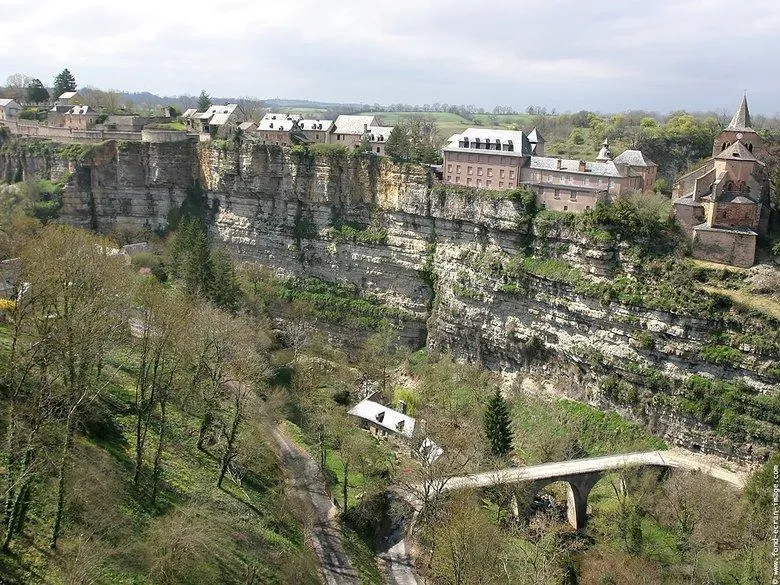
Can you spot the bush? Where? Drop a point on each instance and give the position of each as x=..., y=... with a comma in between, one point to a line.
x=721, y=354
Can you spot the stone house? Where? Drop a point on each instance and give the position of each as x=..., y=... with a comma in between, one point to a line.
x=724, y=204
x=349, y=131
x=317, y=130
x=9, y=109
x=506, y=159
x=216, y=121
x=79, y=118
x=247, y=127
x=382, y=420
x=280, y=130
x=70, y=98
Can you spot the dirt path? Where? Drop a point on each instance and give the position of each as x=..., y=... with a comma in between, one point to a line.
x=307, y=486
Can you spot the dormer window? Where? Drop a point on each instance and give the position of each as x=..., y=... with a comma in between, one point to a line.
x=400, y=426
x=735, y=154
x=380, y=416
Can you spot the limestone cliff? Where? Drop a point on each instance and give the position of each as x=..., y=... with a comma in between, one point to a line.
x=461, y=269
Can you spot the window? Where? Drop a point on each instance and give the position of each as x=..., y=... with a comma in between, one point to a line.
x=490, y=172
x=557, y=195
x=511, y=174
x=449, y=178
x=468, y=181
x=457, y=179
x=479, y=171
x=449, y=168
x=469, y=171
x=377, y=149
x=573, y=197
x=501, y=173
x=317, y=136
x=501, y=184
x=457, y=168
x=489, y=183
x=479, y=182
x=587, y=208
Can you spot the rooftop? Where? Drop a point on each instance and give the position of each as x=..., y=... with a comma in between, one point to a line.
x=737, y=151
x=379, y=133
x=385, y=417
x=6, y=101
x=485, y=140
x=741, y=119
x=354, y=124
x=608, y=168
x=68, y=95
x=324, y=125
x=634, y=158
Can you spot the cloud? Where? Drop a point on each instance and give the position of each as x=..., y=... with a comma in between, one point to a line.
x=566, y=54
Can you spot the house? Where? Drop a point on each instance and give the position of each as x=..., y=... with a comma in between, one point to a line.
x=217, y=120
x=280, y=130
x=507, y=159
x=382, y=420
x=9, y=109
x=247, y=127
x=724, y=204
x=79, y=118
x=377, y=137
x=350, y=131
x=317, y=130
x=70, y=98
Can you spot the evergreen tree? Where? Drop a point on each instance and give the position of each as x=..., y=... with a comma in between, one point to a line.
x=225, y=289
x=398, y=146
x=36, y=93
x=204, y=101
x=497, y=423
x=64, y=82
x=191, y=259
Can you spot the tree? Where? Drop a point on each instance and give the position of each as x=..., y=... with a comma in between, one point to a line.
x=76, y=314
x=497, y=421
x=204, y=101
x=225, y=289
x=16, y=85
x=398, y=146
x=191, y=258
x=36, y=93
x=64, y=81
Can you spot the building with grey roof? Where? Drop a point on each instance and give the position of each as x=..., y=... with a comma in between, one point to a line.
x=216, y=120
x=496, y=159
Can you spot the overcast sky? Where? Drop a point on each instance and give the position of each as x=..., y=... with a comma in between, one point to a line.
x=565, y=54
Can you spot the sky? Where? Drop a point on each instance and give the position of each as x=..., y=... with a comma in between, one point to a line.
x=658, y=55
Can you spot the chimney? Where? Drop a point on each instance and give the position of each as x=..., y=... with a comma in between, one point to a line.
x=582, y=166
x=559, y=164
x=365, y=128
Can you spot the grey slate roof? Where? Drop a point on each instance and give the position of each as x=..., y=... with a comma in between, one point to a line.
x=6, y=101
x=634, y=158
x=280, y=123
x=741, y=119
x=518, y=140
x=379, y=133
x=321, y=125
x=535, y=136
x=347, y=124
x=737, y=151
x=606, y=169
x=189, y=113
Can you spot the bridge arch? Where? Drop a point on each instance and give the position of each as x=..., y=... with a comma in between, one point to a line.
x=578, y=489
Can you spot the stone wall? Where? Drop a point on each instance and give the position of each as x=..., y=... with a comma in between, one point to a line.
x=724, y=246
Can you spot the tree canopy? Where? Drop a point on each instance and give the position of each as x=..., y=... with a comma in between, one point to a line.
x=497, y=421
x=36, y=92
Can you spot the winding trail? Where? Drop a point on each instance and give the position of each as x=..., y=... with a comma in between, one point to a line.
x=307, y=486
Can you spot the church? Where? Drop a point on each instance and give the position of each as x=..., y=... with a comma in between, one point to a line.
x=724, y=204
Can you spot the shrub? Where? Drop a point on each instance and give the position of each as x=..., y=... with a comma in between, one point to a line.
x=721, y=354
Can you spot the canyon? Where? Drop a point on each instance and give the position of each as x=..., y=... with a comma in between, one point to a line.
x=528, y=295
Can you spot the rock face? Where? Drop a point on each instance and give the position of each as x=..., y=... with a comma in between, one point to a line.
x=438, y=255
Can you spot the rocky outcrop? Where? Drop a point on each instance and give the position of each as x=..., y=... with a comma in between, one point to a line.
x=446, y=259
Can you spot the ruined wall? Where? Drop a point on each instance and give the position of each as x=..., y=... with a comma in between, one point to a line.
x=439, y=255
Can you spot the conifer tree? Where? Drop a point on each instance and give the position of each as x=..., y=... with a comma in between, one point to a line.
x=497, y=423
x=398, y=146
x=36, y=93
x=64, y=82
x=204, y=101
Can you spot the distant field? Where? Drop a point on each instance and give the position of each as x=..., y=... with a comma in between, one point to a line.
x=308, y=112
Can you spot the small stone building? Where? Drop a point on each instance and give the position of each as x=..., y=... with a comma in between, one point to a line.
x=9, y=109
x=724, y=204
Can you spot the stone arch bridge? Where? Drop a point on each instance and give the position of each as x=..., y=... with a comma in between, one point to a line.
x=581, y=475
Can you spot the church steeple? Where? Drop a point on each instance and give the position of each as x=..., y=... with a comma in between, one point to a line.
x=741, y=119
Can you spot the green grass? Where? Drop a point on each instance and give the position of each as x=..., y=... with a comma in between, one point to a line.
x=360, y=549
